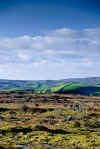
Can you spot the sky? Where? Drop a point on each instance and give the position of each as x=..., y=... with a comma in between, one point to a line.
x=49, y=39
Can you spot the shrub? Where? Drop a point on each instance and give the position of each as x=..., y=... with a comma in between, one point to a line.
x=25, y=108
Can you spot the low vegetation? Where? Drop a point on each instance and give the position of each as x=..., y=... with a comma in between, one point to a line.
x=49, y=121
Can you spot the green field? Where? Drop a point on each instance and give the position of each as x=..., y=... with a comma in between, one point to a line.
x=87, y=86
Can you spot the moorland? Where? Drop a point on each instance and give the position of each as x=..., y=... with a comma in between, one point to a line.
x=49, y=121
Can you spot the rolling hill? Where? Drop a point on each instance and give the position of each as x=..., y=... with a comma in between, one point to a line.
x=82, y=86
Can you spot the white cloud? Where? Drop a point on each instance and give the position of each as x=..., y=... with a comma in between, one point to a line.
x=59, y=53
x=24, y=56
x=39, y=63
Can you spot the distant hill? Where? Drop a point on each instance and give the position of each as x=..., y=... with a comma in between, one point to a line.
x=82, y=86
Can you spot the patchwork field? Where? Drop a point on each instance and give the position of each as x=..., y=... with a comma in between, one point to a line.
x=75, y=86
x=49, y=121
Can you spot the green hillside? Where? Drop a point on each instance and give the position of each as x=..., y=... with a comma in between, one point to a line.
x=84, y=86
x=81, y=89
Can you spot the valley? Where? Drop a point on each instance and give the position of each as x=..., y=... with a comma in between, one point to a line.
x=75, y=86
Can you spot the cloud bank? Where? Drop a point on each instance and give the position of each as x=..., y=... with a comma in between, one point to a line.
x=61, y=53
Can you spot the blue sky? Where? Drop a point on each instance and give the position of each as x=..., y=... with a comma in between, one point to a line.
x=49, y=39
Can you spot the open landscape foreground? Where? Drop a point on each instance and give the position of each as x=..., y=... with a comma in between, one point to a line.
x=49, y=121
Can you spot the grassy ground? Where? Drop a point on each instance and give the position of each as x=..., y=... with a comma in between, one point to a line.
x=49, y=121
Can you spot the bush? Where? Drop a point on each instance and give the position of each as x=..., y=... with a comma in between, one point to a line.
x=76, y=124
x=25, y=108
